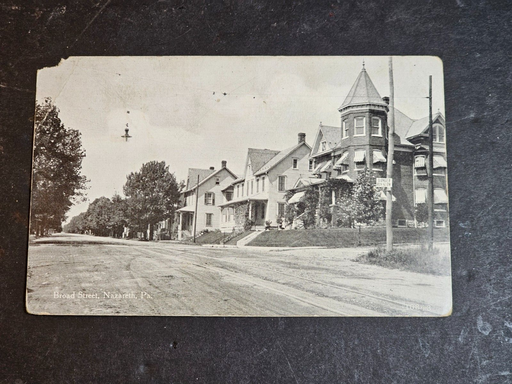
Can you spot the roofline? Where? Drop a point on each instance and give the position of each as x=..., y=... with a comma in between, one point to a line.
x=438, y=115
x=257, y=173
x=209, y=177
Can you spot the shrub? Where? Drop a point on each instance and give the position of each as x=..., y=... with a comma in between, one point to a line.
x=415, y=259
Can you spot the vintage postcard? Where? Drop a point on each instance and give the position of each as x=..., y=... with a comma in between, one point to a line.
x=240, y=186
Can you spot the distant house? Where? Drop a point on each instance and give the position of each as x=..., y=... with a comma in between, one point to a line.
x=361, y=142
x=205, y=186
x=259, y=195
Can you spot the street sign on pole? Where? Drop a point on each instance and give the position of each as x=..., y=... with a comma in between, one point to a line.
x=384, y=182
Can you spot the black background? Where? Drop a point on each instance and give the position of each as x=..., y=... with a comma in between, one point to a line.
x=473, y=345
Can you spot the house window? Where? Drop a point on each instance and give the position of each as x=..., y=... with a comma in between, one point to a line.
x=439, y=223
x=401, y=223
x=419, y=162
x=242, y=188
x=209, y=198
x=280, y=210
x=440, y=135
x=209, y=217
x=229, y=196
x=217, y=181
x=263, y=184
x=376, y=126
x=263, y=211
x=359, y=126
x=252, y=187
x=281, y=184
x=344, y=131
x=359, y=156
x=324, y=145
x=247, y=188
x=311, y=164
x=295, y=163
x=257, y=185
x=238, y=190
x=420, y=196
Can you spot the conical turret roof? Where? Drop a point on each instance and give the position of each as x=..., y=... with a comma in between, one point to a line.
x=363, y=92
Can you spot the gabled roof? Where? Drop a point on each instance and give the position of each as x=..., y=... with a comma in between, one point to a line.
x=279, y=157
x=204, y=175
x=306, y=182
x=421, y=125
x=193, y=173
x=363, y=92
x=259, y=157
x=331, y=135
x=402, y=123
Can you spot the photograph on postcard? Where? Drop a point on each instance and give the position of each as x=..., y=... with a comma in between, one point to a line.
x=240, y=186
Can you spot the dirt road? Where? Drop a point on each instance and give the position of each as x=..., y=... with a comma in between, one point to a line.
x=87, y=275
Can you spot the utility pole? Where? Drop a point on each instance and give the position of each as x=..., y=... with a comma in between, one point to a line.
x=430, y=170
x=195, y=210
x=389, y=168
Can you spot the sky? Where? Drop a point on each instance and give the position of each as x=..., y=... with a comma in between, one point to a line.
x=195, y=111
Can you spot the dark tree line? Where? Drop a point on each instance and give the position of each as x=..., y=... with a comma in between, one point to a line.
x=57, y=181
x=152, y=195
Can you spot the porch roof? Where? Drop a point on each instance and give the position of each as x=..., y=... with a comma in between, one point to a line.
x=186, y=209
x=244, y=199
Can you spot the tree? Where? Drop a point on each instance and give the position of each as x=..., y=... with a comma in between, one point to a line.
x=152, y=196
x=119, y=217
x=99, y=216
x=367, y=206
x=77, y=224
x=56, y=177
x=421, y=213
x=310, y=201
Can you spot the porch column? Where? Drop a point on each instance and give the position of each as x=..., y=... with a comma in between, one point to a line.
x=180, y=224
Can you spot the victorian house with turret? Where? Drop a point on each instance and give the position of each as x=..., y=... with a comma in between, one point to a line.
x=361, y=141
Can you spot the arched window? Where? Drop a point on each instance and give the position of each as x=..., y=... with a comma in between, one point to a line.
x=440, y=134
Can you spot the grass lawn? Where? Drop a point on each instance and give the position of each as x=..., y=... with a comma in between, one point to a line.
x=213, y=237
x=415, y=259
x=345, y=237
x=240, y=236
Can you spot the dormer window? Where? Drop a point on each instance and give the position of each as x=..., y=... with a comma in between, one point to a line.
x=438, y=133
x=359, y=126
x=324, y=145
x=376, y=126
x=344, y=131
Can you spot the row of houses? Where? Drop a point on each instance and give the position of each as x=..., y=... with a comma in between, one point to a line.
x=219, y=199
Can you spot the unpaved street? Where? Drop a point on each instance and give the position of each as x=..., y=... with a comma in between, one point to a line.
x=86, y=275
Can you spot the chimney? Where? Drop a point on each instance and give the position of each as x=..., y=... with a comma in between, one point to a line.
x=212, y=168
x=386, y=99
x=224, y=163
x=302, y=137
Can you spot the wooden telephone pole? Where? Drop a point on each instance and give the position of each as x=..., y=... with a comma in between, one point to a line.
x=195, y=210
x=389, y=168
x=430, y=198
